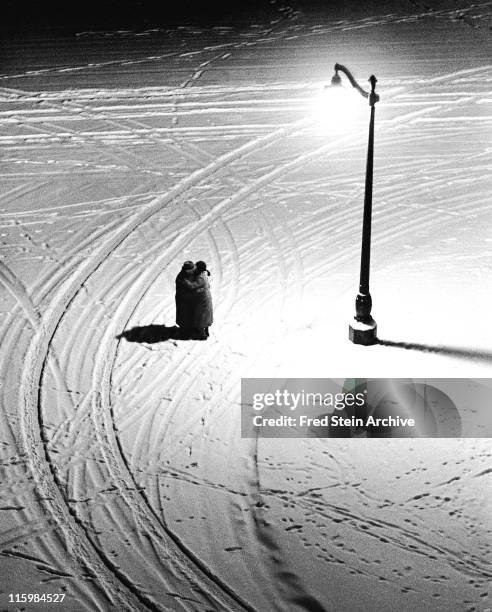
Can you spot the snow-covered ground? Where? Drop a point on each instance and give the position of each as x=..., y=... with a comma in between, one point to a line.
x=125, y=483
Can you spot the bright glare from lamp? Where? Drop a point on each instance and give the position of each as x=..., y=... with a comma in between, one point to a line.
x=336, y=108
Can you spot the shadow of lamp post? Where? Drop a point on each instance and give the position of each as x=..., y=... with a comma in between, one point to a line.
x=363, y=329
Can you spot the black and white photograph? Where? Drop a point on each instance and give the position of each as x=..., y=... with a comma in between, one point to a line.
x=245, y=293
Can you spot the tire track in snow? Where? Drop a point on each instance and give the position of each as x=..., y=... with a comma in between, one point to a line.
x=150, y=58
x=149, y=254
x=182, y=396
x=90, y=66
x=140, y=293
x=37, y=352
x=158, y=265
x=180, y=400
x=60, y=387
x=103, y=362
x=191, y=358
x=176, y=367
x=230, y=298
x=49, y=498
x=195, y=227
x=86, y=113
x=269, y=175
x=80, y=242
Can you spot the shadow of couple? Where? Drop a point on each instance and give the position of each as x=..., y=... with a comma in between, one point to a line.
x=151, y=334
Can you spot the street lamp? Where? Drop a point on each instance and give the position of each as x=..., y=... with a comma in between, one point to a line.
x=363, y=329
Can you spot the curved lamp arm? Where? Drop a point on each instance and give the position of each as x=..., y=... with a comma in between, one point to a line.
x=372, y=95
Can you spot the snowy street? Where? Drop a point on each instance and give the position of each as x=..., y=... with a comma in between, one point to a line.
x=125, y=482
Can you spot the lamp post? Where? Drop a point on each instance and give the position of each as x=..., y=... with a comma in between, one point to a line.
x=363, y=329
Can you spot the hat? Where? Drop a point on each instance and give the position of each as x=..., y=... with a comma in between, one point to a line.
x=188, y=265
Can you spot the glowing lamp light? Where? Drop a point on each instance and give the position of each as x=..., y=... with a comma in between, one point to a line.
x=337, y=107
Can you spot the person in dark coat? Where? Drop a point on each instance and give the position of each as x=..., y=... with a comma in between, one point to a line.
x=187, y=291
x=203, y=314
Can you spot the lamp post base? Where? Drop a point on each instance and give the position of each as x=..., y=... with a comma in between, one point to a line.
x=363, y=333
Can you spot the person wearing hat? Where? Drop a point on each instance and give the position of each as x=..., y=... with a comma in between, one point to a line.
x=187, y=290
x=203, y=314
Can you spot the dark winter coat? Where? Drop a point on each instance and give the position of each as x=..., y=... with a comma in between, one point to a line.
x=186, y=298
x=204, y=313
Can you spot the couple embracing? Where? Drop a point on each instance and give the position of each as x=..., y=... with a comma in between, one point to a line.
x=194, y=311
